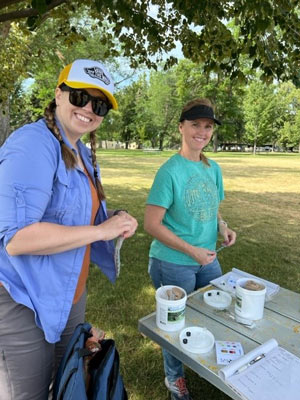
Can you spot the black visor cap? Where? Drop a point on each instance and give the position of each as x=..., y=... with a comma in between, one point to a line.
x=199, y=111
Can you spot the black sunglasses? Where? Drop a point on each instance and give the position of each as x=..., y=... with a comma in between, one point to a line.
x=80, y=98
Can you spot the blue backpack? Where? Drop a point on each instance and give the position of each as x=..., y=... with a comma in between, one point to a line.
x=105, y=381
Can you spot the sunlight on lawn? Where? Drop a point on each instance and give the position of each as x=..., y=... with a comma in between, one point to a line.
x=262, y=204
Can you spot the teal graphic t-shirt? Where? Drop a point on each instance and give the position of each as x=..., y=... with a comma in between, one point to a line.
x=191, y=193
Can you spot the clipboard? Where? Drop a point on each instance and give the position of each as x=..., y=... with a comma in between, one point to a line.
x=267, y=372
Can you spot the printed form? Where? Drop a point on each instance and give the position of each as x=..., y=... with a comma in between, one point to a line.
x=275, y=376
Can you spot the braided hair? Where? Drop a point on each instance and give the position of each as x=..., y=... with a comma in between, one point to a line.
x=67, y=154
x=99, y=187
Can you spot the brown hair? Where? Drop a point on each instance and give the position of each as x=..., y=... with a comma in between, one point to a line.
x=67, y=154
x=191, y=104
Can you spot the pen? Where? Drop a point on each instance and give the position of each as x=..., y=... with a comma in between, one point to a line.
x=238, y=371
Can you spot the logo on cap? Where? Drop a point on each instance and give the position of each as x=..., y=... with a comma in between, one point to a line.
x=96, y=72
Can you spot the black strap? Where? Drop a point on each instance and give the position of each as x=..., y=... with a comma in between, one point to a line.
x=84, y=352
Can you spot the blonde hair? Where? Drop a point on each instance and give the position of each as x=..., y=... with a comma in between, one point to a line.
x=67, y=154
x=196, y=102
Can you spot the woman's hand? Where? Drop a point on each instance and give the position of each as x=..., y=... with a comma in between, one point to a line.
x=228, y=234
x=202, y=256
x=133, y=224
x=44, y=238
x=122, y=224
x=97, y=335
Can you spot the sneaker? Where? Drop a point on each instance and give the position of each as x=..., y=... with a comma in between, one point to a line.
x=178, y=389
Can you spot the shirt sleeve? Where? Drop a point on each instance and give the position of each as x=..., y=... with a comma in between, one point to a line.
x=28, y=161
x=220, y=185
x=161, y=193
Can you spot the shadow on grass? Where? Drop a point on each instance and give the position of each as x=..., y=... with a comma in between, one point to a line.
x=267, y=225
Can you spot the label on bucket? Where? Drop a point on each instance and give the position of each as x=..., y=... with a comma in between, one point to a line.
x=238, y=301
x=171, y=315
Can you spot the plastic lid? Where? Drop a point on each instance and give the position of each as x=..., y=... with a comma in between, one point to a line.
x=196, y=339
x=217, y=299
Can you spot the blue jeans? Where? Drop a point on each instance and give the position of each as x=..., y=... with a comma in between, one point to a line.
x=190, y=278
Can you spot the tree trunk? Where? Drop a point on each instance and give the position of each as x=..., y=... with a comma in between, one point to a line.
x=254, y=147
x=4, y=121
x=273, y=147
x=161, y=143
x=215, y=142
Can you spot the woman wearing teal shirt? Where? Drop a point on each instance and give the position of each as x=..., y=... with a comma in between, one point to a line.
x=182, y=214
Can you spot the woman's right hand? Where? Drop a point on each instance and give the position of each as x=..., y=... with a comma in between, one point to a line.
x=202, y=256
x=122, y=224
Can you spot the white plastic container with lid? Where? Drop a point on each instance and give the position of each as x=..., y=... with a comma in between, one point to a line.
x=170, y=314
x=196, y=339
x=249, y=304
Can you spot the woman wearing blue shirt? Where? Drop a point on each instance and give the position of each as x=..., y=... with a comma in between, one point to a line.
x=182, y=214
x=53, y=221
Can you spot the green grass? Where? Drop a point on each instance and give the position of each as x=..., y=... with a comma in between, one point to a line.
x=262, y=204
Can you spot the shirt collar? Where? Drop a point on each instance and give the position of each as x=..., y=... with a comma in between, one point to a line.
x=84, y=151
x=64, y=136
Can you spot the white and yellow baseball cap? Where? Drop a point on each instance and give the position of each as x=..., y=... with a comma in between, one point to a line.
x=85, y=74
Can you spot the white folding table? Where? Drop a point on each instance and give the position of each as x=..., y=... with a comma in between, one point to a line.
x=281, y=321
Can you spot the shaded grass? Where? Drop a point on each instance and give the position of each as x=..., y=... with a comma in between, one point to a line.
x=262, y=204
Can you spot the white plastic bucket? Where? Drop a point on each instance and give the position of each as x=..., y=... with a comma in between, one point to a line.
x=249, y=304
x=170, y=314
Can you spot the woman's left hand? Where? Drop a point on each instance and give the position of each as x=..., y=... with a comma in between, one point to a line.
x=228, y=234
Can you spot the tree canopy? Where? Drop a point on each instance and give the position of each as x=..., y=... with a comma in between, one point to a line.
x=215, y=33
x=226, y=45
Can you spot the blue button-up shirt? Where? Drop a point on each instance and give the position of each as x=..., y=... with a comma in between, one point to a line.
x=36, y=186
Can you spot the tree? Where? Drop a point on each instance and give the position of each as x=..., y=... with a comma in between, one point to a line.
x=259, y=113
x=142, y=118
x=290, y=134
x=288, y=115
x=128, y=113
x=163, y=108
x=266, y=31
x=12, y=59
x=295, y=136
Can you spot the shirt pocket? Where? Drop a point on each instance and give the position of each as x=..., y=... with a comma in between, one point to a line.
x=63, y=207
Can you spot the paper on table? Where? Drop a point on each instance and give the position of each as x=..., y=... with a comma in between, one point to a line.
x=228, y=351
x=275, y=376
x=227, y=282
x=230, y=369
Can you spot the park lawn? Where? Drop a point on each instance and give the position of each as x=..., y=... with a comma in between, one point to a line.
x=262, y=204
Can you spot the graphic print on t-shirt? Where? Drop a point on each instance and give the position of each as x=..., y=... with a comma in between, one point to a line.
x=201, y=198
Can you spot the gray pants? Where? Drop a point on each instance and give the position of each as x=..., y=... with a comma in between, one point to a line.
x=27, y=361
